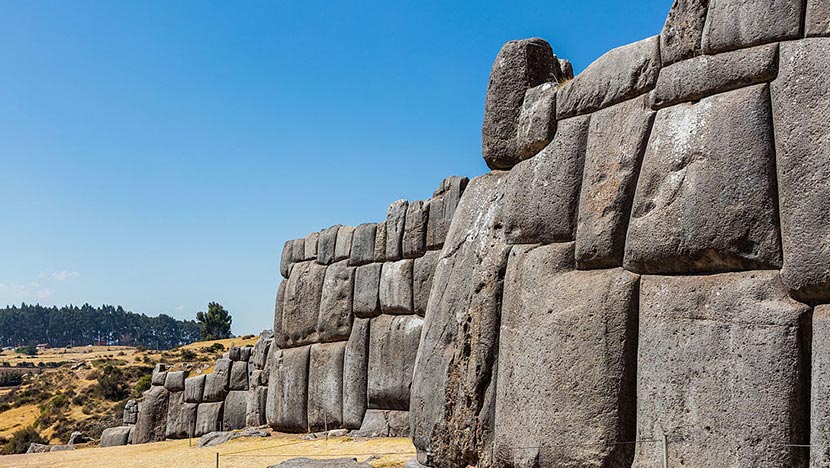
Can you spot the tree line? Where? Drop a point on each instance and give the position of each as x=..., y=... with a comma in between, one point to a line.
x=79, y=326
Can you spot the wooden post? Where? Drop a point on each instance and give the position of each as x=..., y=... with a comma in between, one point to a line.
x=217, y=459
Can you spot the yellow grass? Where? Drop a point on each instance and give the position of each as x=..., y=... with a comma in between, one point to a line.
x=74, y=354
x=227, y=343
x=17, y=418
x=240, y=453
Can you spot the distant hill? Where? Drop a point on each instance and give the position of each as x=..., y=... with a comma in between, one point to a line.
x=76, y=326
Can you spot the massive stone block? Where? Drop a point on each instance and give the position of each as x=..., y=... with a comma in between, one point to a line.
x=621, y=74
x=706, y=196
x=393, y=347
x=279, y=305
x=285, y=408
x=310, y=245
x=355, y=365
x=616, y=142
x=255, y=410
x=363, y=244
x=722, y=372
x=327, y=244
x=194, y=388
x=298, y=250
x=208, y=418
x=216, y=387
x=395, y=225
x=261, y=348
x=239, y=376
x=694, y=79
x=159, y=375
x=451, y=404
x=682, y=32
x=303, y=294
x=115, y=436
x=415, y=232
x=174, y=381
x=818, y=18
x=181, y=417
x=235, y=410
x=422, y=274
x=801, y=111
x=151, y=425
x=395, y=290
x=380, y=242
x=567, y=362
x=325, y=386
x=543, y=192
x=442, y=208
x=366, y=282
x=384, y=423
x=343, y=243
x=334, y=321
x=519, y=65
x=537, y=120
x=735, y=24
x=287, y=258
x=820, y=389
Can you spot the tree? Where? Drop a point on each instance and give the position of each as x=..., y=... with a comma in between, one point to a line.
x=216, y=323
x=21, y=439
x=110, y=381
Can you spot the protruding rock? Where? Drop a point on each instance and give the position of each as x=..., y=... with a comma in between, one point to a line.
x=380, y=242
x=442, y=208
x=255, y=410
x=343, y=243
x=151, y=425
x=287, y=258
x=325, y=386
x=393, y=347
x=383, y=423
x=194, y=388
x=537, y=121
x=737, y=24
x=326, y=245
x=159, y=375
x=174, y=382
x=181, y=417
x=422, y=274
x=285, y=408
x=115, y=436
x=366, y=283
x=335, y=316
x=302, y=304
x=683, y=30
x=310, y=246
x=355, y=365
x=239, y=376
x=216, y=387
x=396, y=287
x=395, y=225
x=363, y=244
x=298, y=250
x=208, y=418
x=236, y=407
x=415, y=232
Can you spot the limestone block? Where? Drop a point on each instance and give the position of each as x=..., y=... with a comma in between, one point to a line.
x=537, y=120
x=543, y=193
x=310, y=246
x=223, y=367
x=181, y=417
x=151, y=424
x=818, y=18
x=519, y=65
x=363, y=244
x=442, y=208
x=451, y=404
x=682, y=32
x=616, y=142
x=286, y=404
x=325, y=386
x=722, y=371
x=415, y=229
x=300, y=311
x=567, y=362
x=355, y=365
x=194, y=388
x=422, y=273
x=395, y=290
x=130, y=414
x=235, y=410
x=159, y=375
x=736, y=24
x=393, y=346
x=383, y=423
x=255, y=411
x=234, y=353
x=694, y=79
x=208, y=418
x=801, y=112
x=239, y=376
x=395, y=225
x=115, y=436
x=327, y=245
x=254, y=378
x=619, y=75
x=245, y=353
x=287, y=258
x=343, y=243
x=279, y=306
x=260, y=352
x=366, y=283
x=706, y=198
x=298, y=250
x=820, y=389
x=174, y=382
x=380, y=242
x=216, y=387
x=334, y=321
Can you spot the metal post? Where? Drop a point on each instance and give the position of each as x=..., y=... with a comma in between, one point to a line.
x=665, y=453
x=217, y=459
x=326, y=425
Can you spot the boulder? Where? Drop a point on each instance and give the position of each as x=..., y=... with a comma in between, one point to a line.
x=310, y=246
x=422, y=272
x=325, y=386
x=245, y=353
x=415, y=232
x=334, y=322
x=330, y=463
x=343, y=243
x=159, y=375
x=181, y=417
x=393, y=347
x=151, y=424
x=326, y=245
x=298, y=250
x=801, y=113
x=566, y=362
x=820, y=389
x=255, y=410
x=303, y=294
x=818, y=18
x=442, y=208
x=616, y=142
x=682, y=32
x=355, y=365
x=520, y=65
x=737, y=24
x=366, y=283
x=395, y=290
x=285, y=407
x=451, y=405
x=38, y=448
x=216, y=387
x=194, y=388
x=279, y=307
x=77, y=437
x=382, y=423
x=363, y=244
x=537, y=120
x=395, y=224
x=115, y=436
x=260, y=352
x=213, y=439
x=287, y=258
x=130, y=415
x=619, y=75
x=694, y=79
x=235, y=410
x=208, y=418
x=380, y=242
x=234, y=353
x=239, y=376
x=543, y=192
x=706, y=198
x=174, y=382
x=723, y=370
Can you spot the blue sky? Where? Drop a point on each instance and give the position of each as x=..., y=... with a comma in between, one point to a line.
x=157, y=154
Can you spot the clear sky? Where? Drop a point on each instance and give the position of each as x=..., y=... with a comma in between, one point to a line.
x=157, y=154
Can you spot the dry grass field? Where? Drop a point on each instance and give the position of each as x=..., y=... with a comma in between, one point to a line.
x=240, y=453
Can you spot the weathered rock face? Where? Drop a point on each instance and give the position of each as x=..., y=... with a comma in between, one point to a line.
x=194, y=388
x=151, y=425
x=735, y=24
x=415, y=232
x=216, y=387
x=422, y=273
x=355, y=368
x=310, y=246
x=382, y=423
x=181, y=417
x=682, y=33
x=335, y=317
x=395, y=225
x=818, y=18
x=326, y=245
x=303, y=294
x=285, y=408
x=366, y=282
x=115, y=436
x=442, y=209
x=239, y=376
x=395, y=290
x=393, y=347
x=343, y=244
x=820, y=389
x=537, y=120
x=380, y=242
x=363, y=244
x=235, y=410
x=325, y=386
x=208, y=418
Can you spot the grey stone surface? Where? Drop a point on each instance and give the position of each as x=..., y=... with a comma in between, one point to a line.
x=380, y=242
x=343, y=244
x=194, y=388
x=255, y=409
x=327, y=244
x=363, y=244
x=818, y=18
x=208, y=418
x=181, y=417
x=422, y=273
x=239, y=376
x=706, y=198
x=298, y=250
x=223, y=367
x=325, y=386
x=395, y=290
x=736, y=24
x=451, y=404
x=233, y=353
x=366, y=303
x=820, y=389
x=245, y=353
x=619, y=75
x=215, y=438
x=287, y=258
x=279, y=307
x=442, y=208
x=174, y=382
x=384, y=423
x=415, y=231
x=395, y=225
x=313, y=463
x=566, y=362
x=543, y=193
x=694, y=79
x=152, y=416
x=567, y=69
x=355, y=365
x=616, y=142
x=722, y=371
x=393, y=347
x=286, y=405
x=683, y=30
x=801, y=112
x=537, y=120
x=235, y=410
x=159, y=375
x=260, y=352
x=216, y=388
x=310, y=246
x=301, y=308
x=115, y=436
x=130, y=412
x=519, y=65
x=334, y=321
